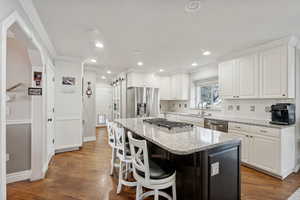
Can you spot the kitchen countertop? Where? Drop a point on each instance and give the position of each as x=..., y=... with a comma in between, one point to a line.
x=246, y=121
x=182, y=143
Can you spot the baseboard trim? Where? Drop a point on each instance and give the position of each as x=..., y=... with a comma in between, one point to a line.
x=62, y=150
x=18, y=176
x=89, y=139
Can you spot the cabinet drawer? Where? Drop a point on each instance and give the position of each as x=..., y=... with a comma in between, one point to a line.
x=239, y=127
x=271, y=132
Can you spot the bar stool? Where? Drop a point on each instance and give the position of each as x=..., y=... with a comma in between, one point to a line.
x=154, y=174
x=123, y=153
x=111, y=141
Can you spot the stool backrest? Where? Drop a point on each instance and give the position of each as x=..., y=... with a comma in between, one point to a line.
x=139, y=153
x=120, y=140
x=111, y=134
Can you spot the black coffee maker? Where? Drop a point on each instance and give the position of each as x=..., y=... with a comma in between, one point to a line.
x=283, y=114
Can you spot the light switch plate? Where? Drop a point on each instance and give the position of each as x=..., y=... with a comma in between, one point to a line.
x=215, y=169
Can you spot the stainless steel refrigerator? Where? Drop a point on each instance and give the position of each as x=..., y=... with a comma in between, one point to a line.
x=142, y=102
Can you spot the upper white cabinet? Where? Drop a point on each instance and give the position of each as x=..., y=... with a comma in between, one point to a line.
x=266, y=72
x=274, y=70
x=175, y=87
x=247, y=77
x=165, y=88
x=135, y=79
x=227, y=79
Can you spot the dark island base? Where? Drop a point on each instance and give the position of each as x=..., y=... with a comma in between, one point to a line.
x=194, y=180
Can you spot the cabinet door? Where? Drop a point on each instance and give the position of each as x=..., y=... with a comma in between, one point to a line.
x=164, y=87
x=274, y=66
x=227, y=79
x=247, y=77
x=265, y=153
x=174, y=87
x=245, y=145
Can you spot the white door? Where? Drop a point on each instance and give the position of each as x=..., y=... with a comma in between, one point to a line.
x=264, y=153
x=227, y=79
x=50, y=111
x=274, y=72
x=244, y=145
x=247, y=77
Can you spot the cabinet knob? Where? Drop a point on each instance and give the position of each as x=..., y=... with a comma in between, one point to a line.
x=283, y=95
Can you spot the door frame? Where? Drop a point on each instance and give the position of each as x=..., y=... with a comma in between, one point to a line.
x=51, y=67
x=36, y=144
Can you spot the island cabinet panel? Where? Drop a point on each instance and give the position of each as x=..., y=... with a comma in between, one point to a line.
x=212, y=174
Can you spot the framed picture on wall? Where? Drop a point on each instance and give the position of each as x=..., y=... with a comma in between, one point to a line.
x=68, y=80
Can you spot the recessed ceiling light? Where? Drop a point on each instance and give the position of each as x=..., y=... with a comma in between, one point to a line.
x=103, y=77
x=194, y=64
x=140, y=63
x=108, y=71
x=206, y=53
x=93, y=60
x=161, y=70
x=99, y=45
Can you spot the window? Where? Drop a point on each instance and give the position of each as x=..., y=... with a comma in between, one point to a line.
x=207, y=93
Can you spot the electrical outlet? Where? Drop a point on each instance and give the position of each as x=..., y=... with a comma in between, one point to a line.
x=7, y=157
x=215, y=169
x=252, y=108
x=230, y=107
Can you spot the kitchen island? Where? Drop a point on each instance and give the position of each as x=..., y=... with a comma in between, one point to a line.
x=207, y=161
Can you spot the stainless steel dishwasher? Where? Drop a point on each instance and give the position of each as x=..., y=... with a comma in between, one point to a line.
x=215, y=124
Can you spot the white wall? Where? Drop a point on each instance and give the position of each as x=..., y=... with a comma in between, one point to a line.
x=7, y=7
x=68, y=104
x=18, y=61
x=104, y=99
x=89, y=106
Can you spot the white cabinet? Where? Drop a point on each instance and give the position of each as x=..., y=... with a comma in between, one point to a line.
x=247, y=77
x=135, y=79
x=227, y=79
x=265, y=153
x=180, y=87
x=165, y=88
x=267, y=72
x=239, y=78
x=275, y=71
x=269, y=149
x=175, y=87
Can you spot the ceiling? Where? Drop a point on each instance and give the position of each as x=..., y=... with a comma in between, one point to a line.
x=161, y=33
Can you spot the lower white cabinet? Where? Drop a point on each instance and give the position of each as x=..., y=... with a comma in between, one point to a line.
x=269, y=149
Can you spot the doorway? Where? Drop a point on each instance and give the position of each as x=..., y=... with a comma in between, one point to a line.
x=22, y=115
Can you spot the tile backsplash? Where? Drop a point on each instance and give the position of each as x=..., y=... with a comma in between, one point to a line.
x=252, y=109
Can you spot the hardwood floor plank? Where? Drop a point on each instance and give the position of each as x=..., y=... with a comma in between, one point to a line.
x=84, y=175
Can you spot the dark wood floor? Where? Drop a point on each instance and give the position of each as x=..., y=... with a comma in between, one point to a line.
x=84, y=175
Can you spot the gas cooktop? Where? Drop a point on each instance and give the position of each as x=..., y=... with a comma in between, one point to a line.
x=170, y=125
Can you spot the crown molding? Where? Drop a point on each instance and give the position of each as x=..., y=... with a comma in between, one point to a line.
x=34, y=17
x=69, y=59
x=291, y=41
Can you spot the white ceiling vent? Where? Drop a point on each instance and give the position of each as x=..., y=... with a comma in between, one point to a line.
x=193, y=6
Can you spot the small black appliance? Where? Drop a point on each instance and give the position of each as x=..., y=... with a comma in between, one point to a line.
x=283, y=114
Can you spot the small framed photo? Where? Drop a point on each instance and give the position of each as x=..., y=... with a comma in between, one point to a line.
x=68, y=80
x=35, y=91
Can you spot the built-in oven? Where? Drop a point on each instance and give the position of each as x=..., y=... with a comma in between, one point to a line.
x=215, y=124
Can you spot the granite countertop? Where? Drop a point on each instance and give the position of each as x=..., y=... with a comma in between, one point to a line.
x=255, y=122
x=182, y=143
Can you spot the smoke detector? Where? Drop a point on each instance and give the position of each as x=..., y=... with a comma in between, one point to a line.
x=193, y=6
